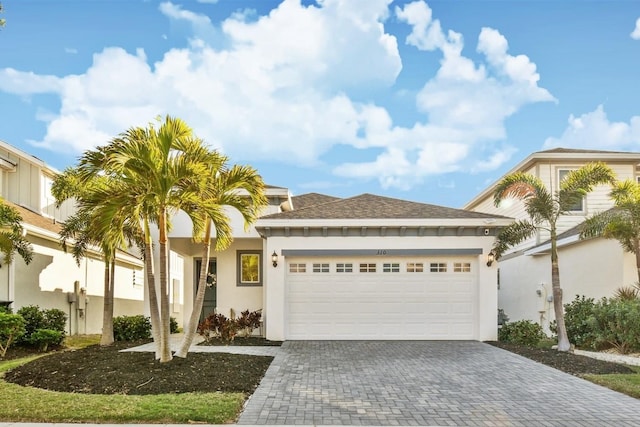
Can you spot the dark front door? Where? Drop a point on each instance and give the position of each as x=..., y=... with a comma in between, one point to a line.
x=209, y=304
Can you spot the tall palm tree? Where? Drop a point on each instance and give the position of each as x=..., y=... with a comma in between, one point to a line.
x=544, y=208
x=12, y=237
x=622, y=222
x=156, y=172
x=84, y=229
x=240, y=188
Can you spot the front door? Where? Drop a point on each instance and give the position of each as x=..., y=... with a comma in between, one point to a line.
x=209, y=304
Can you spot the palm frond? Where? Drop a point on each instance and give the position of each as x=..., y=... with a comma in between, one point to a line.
x=512, y=235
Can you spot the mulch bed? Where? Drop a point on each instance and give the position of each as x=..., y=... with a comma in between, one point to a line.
x=105, y=370
x=567, y=362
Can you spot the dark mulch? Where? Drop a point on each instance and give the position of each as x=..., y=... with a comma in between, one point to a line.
x=241, y=341
x=105, y=370
x=567, y=362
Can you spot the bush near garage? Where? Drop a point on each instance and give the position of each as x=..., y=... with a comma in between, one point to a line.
x=524, y=332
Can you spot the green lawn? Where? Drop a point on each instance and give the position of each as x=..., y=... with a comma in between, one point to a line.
x=26, y=404
x=628, y=384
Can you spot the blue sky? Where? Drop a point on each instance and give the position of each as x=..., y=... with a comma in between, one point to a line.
x=427, y=101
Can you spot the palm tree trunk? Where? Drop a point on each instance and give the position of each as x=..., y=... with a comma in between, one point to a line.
x=636, y=251
x=563, y=339
x=107, y=312
x=151, y=288
x=165, y=348
x=192, y=325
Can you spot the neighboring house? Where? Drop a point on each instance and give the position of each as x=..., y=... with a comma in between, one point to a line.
x=53, y=278
x=594, y=267
x=365, y=267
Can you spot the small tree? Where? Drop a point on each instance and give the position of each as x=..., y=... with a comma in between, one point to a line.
x=622, y=222
x=11, y=328
x=544, y=208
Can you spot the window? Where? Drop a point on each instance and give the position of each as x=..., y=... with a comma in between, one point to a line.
x=415, y=267
x=438, y=267
x=367, y=268
x=344, y=268
x=249, y=268
x=391, y=267
x=320, y=268
x=461, y=267
x=579, y=206
x=297, y=268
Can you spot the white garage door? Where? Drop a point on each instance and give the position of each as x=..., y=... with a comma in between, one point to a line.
x=403, y=298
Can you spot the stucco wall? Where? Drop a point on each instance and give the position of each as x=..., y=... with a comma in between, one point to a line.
x=52, y=273
x=594, y=268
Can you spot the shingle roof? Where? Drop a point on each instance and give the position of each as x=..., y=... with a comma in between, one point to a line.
x=369, y=206
x=583, y=151
x=311, y=199
x=32, y=218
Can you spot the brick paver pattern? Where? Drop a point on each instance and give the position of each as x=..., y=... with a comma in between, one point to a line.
x=427, y=383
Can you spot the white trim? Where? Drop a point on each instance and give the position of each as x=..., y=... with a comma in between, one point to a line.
x=386, y=222
x=544, y=249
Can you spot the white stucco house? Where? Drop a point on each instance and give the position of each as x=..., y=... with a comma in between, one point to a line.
x=53, y=279
x=317, y=266
x=364, y=267
x=594, y=267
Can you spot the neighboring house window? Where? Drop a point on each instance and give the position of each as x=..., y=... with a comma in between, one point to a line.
x=461, y=267
x=249, y=268
x=320, y=268
x=391, y=267
x=579, y=206
x=344, y=268
x=438, y=267
x=297, y=268
x=638, y=179
x=367, y=268
x=415, y=267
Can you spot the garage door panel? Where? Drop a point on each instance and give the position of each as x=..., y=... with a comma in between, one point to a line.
x=396, y=305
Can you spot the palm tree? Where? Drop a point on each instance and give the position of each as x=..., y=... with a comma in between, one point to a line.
x=12, y=237
x=84, y=229
x=544, y=208
x=225, y=187
x=155, y=173
x=622, y=222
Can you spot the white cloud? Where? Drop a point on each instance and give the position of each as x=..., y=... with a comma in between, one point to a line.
x=635, y=34
x=595, y=130
x=281, y=88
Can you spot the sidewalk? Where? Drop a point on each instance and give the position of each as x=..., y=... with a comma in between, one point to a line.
x=176, y=340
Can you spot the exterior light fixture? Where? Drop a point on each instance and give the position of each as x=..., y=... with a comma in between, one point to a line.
x=274, y=259
x=491, y=257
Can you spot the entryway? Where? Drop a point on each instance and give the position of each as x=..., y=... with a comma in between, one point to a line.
x=210, y=297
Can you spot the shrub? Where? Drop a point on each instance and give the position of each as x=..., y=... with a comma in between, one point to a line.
x=173, y=325
x=577, y=315
x=523, y=332
x=218, y=325
x=626, y=293
x=43, y=338
x=11, y=329
x=131, y=328
x=37, y=319
x=616, y=323
x=248, y=321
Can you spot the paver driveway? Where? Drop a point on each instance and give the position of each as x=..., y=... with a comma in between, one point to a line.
x=426, y=383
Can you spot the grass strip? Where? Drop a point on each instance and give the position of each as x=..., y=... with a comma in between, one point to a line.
x=628, y=384
x=28, y=404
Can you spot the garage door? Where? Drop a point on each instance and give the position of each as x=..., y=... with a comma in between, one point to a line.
x=403, y=298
